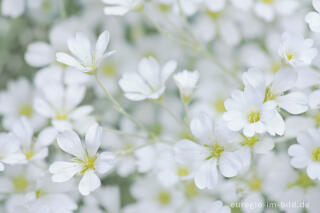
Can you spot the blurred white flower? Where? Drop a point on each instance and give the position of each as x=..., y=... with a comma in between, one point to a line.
x=9, y=150
x=33, y=150
x=120, y=7
x=17, y=101
x=278, y=89
x=49, y=196
x=87, y=161
x=85, y=58
x=186, y=82
x=313, y=18
x=268, y=9
x=15, y=8
x=248, y=111
x=306, y=154
x=149, y=82
x=216, y=149
x=297, y=51
x=60, y=104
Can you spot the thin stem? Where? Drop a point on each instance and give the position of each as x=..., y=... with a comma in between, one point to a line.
x=169, y=111
x=193, y=44
x=117, y=105
x=63, y=9
x=118, y=132
x=186, y=111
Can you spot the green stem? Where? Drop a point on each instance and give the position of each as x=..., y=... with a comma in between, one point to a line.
x=118, y=132
x=118, y=107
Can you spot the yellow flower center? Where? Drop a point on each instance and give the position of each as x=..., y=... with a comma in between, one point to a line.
x=29, y=154
x=289, y=56
x=219, y=106
x=255, y=183
x=275, y=68
x=269, y=95
x=250, y=141
x=20, y=183
x=164, y=7
x=253, y=116
x=26, y=110
x=164, y=197
x=316, y=154
x=303, y=181
x=87, y=165
x=191, y=190
x=109, y=69
x=268, y=1
x=182, y=171
x=39, y=193
x=61, y=116
x=214, y=15
x=216, y=151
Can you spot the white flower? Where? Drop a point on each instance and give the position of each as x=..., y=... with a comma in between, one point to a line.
x=215, y=6
x=120, y=7
x=278, y=89
x=33, y=149
x=15, y=8
x=216, y=148
x=60, y=105
x=17, y=101
x=296, y=50
x=9, y=150
x=50, y=197
x=268, y=9
x=313, y=18
x=87, y=161
x=85, y=58
x=314, y=100
x=151, y=195
x=247, y=110
x=148, y=82
x=258, y=143
x=306, y=154
x=186, y=82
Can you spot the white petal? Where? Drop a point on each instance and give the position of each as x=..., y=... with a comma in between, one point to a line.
x=167, y=70
x=294, y=103
x=89, y=182
x=93, y=139
x=207, y=175
x=314, y=100
x=70, y=142
x=150, y=71
x=74, y=94
x=229, y=164
x=39, y=54
x=105, y=162
x=284, y=80
x=115, y=10
x=102, y=44
x=68, y=60
x=81, y=112
x=202, y=128
x=64, y=171
x=23, y=130
x=313, y=171
x=43, y=108
x=46, y=137
x=188, y=151
x=299, y=154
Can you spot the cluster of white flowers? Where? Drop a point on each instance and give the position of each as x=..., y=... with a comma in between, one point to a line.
x=201, y=106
